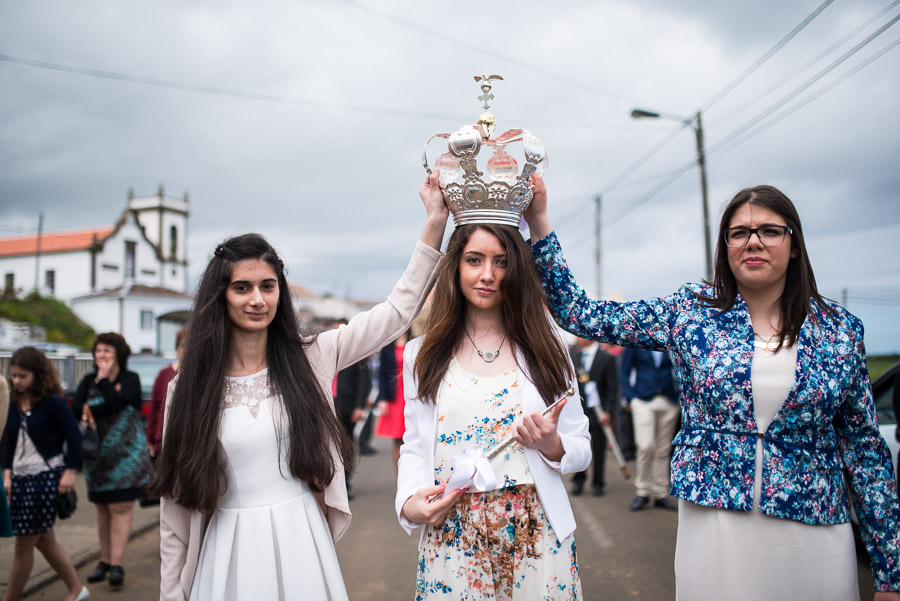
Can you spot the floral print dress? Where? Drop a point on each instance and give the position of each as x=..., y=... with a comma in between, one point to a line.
x=497, y=544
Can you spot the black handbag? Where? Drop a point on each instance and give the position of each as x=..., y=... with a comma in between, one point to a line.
x=90, y=441
x=66, y=504
x=90, y=438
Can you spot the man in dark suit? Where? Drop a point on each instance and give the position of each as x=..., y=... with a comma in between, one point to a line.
x=648, y=382
x=351, y=388
x=595, y=365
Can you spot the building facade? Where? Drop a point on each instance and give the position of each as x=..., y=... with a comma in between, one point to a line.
x=126, y=278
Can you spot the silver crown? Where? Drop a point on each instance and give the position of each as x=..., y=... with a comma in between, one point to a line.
x=506, y=194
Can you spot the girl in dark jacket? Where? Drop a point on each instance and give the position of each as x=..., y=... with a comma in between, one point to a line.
x=35, y=472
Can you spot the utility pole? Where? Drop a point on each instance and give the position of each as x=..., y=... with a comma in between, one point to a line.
x=37, y=255
x=598, y=288
x=701, y=160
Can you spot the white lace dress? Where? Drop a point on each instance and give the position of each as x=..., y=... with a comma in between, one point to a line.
x=268, y=539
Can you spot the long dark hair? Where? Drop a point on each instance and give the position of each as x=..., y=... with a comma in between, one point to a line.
x=190, y=468
x=524, y=316
x=800, y=289
x=46, y=380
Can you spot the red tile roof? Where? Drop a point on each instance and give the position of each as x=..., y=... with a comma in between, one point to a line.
x=53, y=242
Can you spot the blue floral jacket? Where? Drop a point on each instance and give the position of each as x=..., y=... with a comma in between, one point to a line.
x=826, y=425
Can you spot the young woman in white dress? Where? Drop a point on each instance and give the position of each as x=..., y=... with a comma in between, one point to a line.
x=251, y=466
x=487, y=367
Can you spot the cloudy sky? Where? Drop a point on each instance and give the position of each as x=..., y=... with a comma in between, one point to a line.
x=305, y=121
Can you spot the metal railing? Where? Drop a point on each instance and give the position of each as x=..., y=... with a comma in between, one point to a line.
x=71, y=368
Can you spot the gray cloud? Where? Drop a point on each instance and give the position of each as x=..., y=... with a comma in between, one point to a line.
x=328, y=168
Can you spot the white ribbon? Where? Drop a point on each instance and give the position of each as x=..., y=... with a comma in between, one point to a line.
x=471, y=468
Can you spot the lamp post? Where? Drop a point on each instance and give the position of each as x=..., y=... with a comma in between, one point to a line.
x=696, y=122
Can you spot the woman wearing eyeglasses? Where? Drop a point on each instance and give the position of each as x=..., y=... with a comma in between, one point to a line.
x=776, y=407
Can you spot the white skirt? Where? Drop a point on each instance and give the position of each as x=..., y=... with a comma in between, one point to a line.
x=749, y=556
x=273, y=552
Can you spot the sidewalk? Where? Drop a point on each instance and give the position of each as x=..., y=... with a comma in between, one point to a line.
x=77, y=535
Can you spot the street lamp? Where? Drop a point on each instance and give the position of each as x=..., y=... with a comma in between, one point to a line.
x=696, y=123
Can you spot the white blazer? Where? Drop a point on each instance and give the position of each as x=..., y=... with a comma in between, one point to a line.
x=182, y=531
x=416, y=468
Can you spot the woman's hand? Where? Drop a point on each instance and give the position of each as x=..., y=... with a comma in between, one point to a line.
x=537, y=431
x=7, y=484
x=536, y=213
x=435, y=210
x=382, y=407
x=106, y=369
x=67, y=481
x=425, y=508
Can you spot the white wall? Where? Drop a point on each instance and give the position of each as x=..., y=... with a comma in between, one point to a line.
x=113, y=256
x=73, y=273
x=112, y=314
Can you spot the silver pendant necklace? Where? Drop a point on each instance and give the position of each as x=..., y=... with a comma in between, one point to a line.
x=487, y=357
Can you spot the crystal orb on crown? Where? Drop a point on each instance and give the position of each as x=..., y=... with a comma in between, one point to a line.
x=506, y=192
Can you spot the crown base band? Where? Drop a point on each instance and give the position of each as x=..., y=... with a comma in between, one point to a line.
x=497, y=217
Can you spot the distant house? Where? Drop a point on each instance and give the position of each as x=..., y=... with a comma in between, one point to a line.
x=130, y=277
x=317, y=313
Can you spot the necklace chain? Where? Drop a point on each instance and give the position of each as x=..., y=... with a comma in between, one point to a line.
x=767, y=341
x=487, y=357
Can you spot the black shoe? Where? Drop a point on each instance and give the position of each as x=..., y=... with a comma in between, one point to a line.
x=99, y=573
x=665, y=503
x=639, y=503
x=598, y=490
x=367, y=451
x=116, y=576
x=577, y=487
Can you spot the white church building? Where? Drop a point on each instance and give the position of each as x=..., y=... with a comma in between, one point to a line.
x=130, y=277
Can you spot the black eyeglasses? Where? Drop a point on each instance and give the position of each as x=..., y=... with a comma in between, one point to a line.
x=769, y=235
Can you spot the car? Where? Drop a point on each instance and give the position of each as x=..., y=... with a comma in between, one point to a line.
x=883, y=393
x=147, y=368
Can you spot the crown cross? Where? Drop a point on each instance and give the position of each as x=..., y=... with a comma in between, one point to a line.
x=486, y=88
x=506, y=193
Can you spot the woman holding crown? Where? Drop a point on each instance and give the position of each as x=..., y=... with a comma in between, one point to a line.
x=251, y=466
x=488, y=367
x=776, y=407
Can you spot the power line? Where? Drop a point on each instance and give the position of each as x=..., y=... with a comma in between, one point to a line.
x=723, y=147
x=759, y=62
x=803, y=87
x=228, y=92
x=219, y=91
x=720, y=146
x=790, y=76
x=487, y=52
x=718, y=96
x=642, y=160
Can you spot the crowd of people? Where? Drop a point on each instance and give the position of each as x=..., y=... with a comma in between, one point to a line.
x=745, y=403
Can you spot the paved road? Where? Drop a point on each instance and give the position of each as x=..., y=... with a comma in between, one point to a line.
x=622, y=555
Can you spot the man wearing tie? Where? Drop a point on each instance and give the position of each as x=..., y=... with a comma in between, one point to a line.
x=598, y=384
x=647, y=380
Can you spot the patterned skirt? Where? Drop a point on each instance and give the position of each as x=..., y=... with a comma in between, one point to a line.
x=497, y=545
x=121, y=470
x=32, y=506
